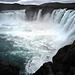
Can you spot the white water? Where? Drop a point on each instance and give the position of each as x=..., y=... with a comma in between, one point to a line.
x=38, y=39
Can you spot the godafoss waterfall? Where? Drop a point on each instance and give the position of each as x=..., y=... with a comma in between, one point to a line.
x=30, y=43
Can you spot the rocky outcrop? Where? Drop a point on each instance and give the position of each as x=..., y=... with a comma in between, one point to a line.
x=14, y=6
x=63, y=62
x=31, y=13
x=7, y=68
x=46, y=69
x=54, y=5
x=57, y=5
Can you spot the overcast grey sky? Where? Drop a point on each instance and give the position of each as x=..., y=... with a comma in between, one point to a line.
x=38, y=1
x=9, y=0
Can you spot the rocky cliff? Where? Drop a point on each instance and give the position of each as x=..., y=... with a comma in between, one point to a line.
x=8, y=68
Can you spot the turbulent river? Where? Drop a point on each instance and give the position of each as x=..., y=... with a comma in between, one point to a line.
x=31, y=43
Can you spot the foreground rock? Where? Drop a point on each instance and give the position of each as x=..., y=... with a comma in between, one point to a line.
x=64, y=60
x=7, y=68
x=46, y=69
x=63, y=63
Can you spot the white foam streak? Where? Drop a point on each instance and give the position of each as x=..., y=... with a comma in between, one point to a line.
x=39, y=15
x=59, y=15
x=64, y=18
x=69, y=22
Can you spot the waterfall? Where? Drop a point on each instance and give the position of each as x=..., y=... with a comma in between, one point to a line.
x=12, y=15
x=59, y=15
x=69, y=22
x=39, y=14
x=26, y=42
x=64, y=18
x=64, y=23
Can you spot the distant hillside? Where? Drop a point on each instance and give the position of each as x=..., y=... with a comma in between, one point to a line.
x=59, y=5
x=45, y=5
x=14, y=6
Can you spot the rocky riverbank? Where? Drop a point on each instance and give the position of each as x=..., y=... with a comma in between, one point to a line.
x=8, y=68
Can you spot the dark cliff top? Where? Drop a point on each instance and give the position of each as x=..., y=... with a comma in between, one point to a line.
x=14, y=6
x=59, y=5
x=54, y=5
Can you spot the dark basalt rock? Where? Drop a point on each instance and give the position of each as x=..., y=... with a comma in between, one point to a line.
x=46, y=69
x=63, y=63
x=7, y=68
x=57, y=5
x=65, y=59
x=58, y=58
x=46, y=10
x=70, y=56
x=54, y=5
x=14, y=6
x=31, y=13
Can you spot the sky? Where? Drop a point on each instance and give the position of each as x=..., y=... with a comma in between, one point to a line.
x=37, y=1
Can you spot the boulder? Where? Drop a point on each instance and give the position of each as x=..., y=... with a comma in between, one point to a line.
x=64, y=59
x=31, y=13
x=45, y=69
x=58, y=58
x=70, y=56
x=7, y=68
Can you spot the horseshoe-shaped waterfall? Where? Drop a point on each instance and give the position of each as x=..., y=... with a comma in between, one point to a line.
x=31, y=43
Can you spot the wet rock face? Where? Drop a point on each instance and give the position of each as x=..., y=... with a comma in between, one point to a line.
x=64, y=60
x=31, y=13
x=63, y=63
x=46, y=10
x=58, y=58
x=70, y=57
x=65, y=55
x=7, y=68
x=46, y=69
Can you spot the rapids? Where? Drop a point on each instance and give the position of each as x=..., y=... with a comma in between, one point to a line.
x=31, y=43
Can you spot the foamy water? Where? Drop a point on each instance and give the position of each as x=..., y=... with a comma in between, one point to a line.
x=35, y=42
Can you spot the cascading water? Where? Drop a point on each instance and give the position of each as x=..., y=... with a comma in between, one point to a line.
x=31, y=43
